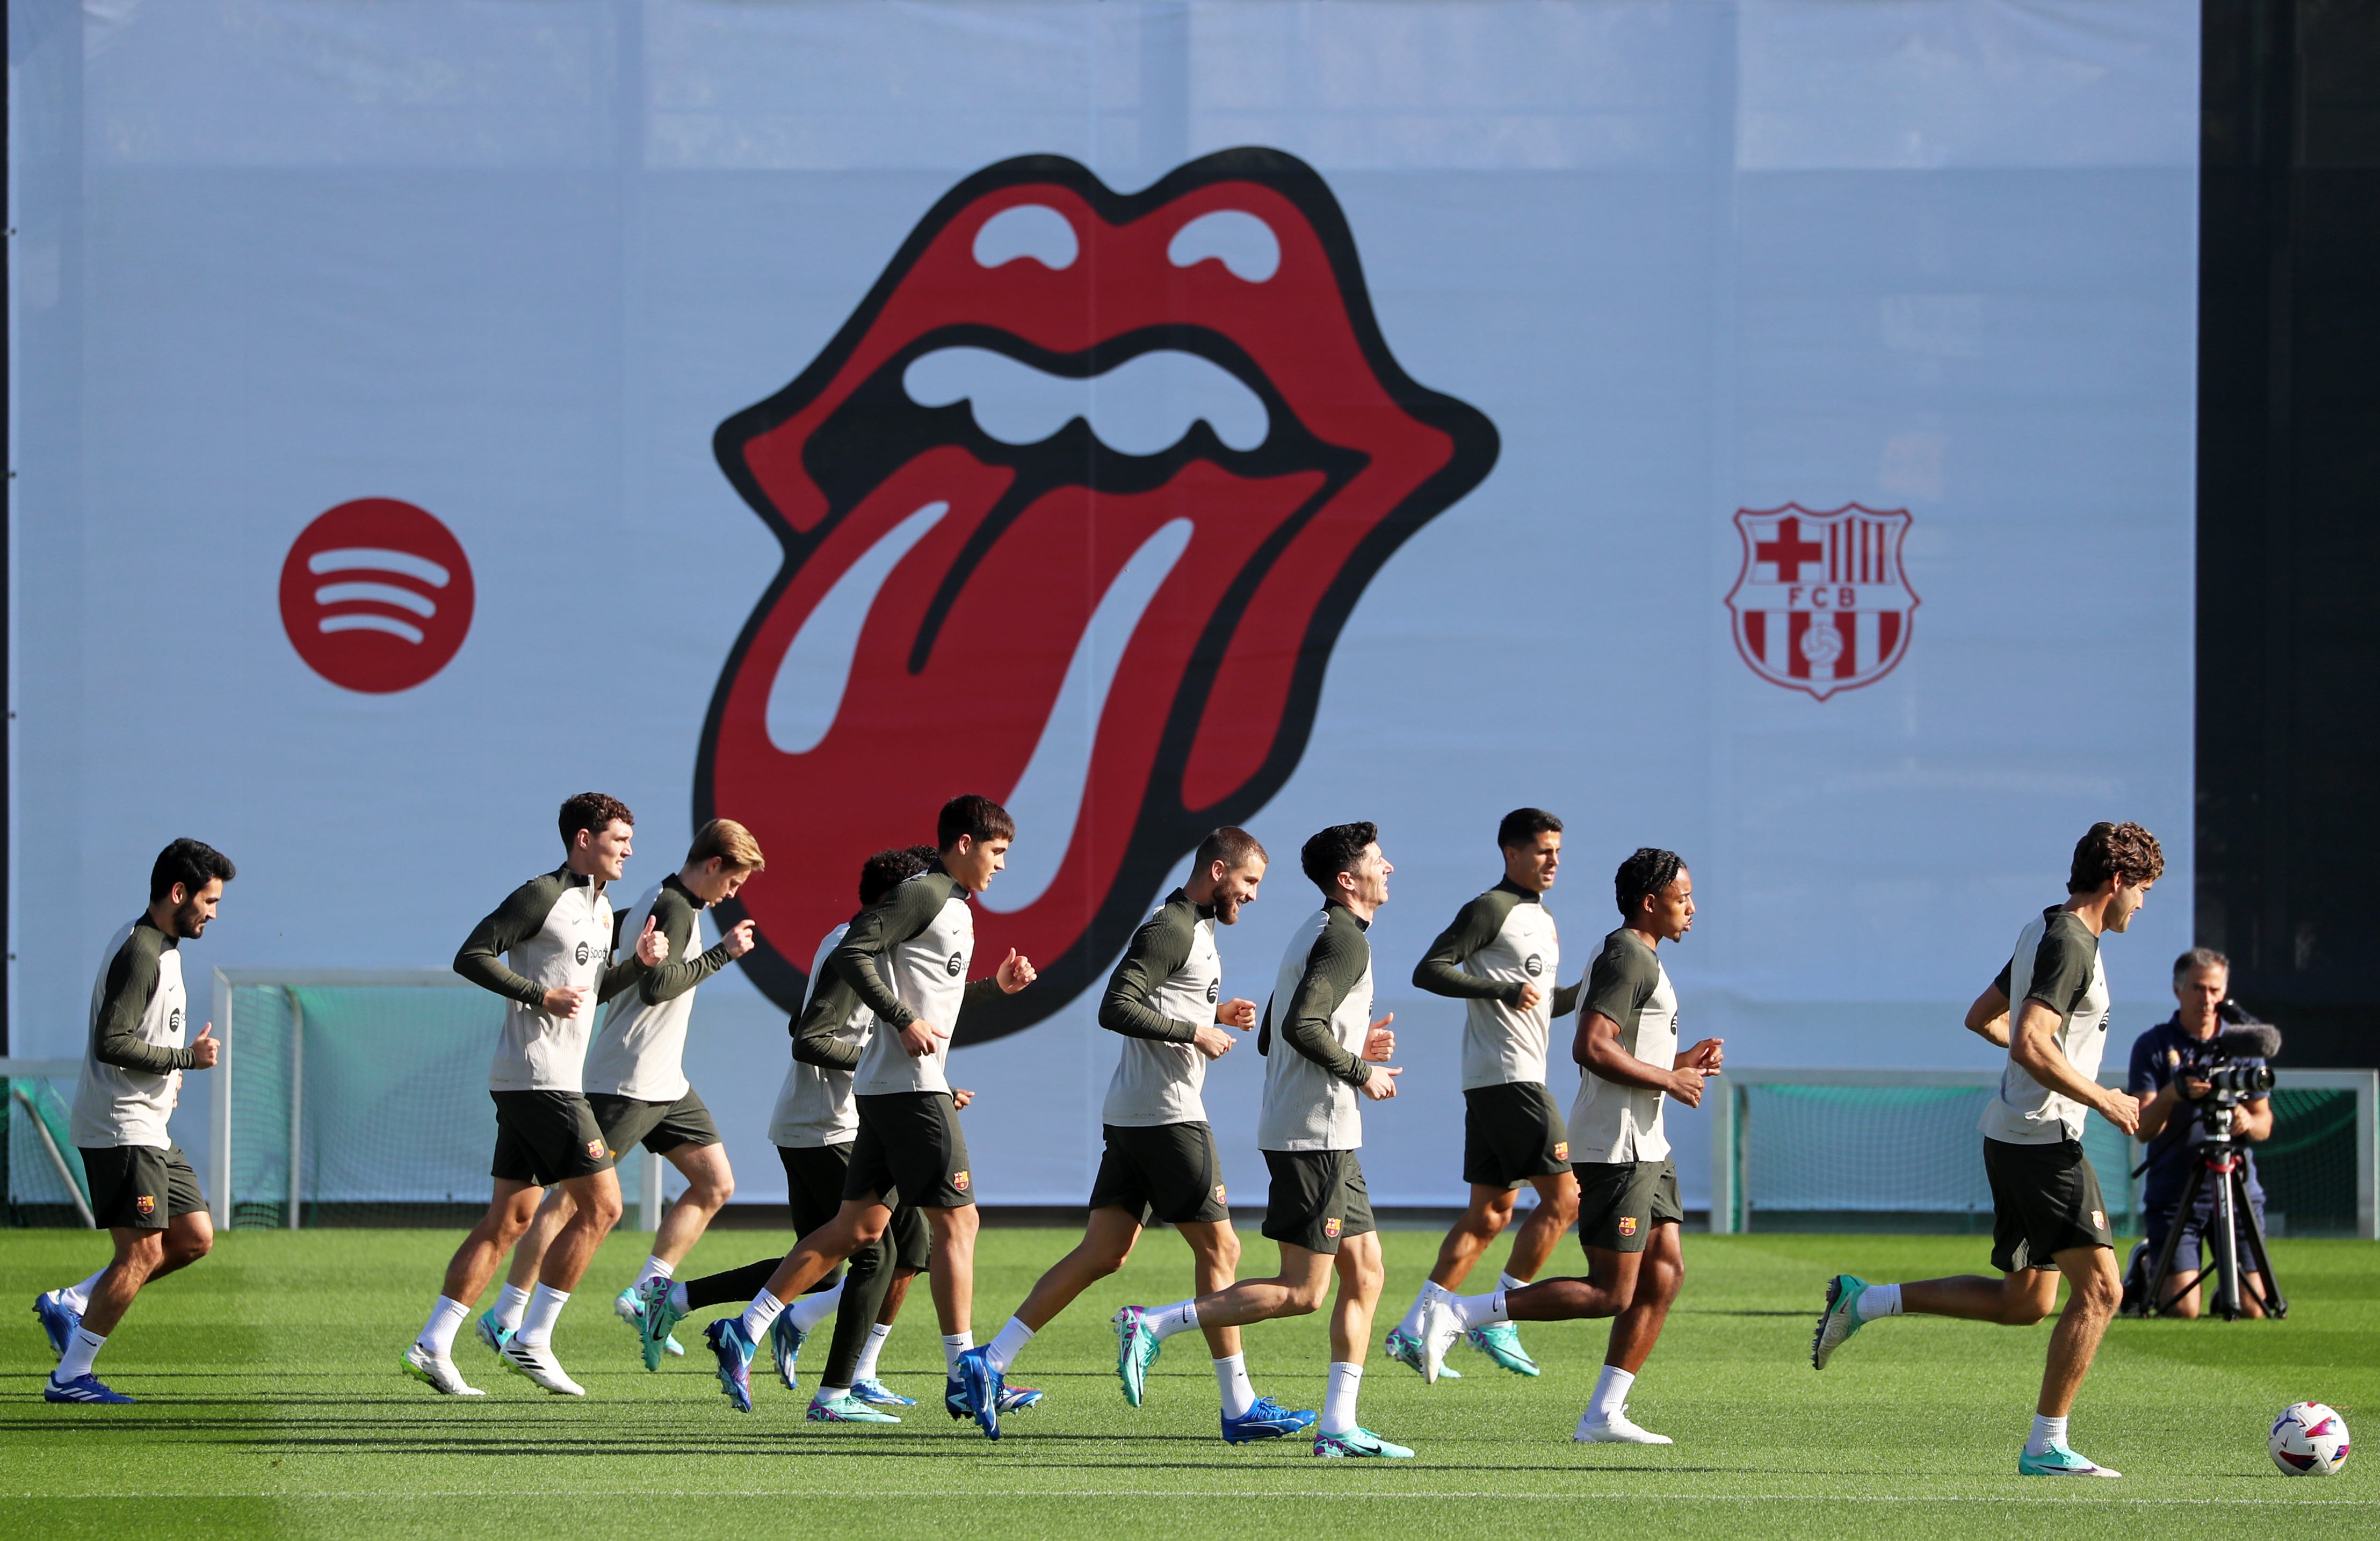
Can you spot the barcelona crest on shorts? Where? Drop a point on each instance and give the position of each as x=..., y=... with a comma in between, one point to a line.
x=145, y=1204
x=595, y=1149
x=959, y=1180
x=1628, y=1225
x=1330, y=1228
x=1562, y=1150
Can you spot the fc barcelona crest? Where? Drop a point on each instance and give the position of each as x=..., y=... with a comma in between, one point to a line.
x=1821, y=603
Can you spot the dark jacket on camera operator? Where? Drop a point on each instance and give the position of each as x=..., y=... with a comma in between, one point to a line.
x=2163, y=1054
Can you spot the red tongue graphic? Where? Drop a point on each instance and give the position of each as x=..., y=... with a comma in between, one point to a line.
x=964, y=650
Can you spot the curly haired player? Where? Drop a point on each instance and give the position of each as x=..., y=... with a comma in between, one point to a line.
x=2048, y=1009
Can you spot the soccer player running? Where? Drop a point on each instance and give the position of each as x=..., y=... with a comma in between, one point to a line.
x=1165, y=998
x=556, y=932
x=906, y=960
x=142, y=1190
x=813, y=1127
x=1626, y=1046
x=636, y=1078
x=1500, y=958
x=2048, y=1009
x=1311, y=1128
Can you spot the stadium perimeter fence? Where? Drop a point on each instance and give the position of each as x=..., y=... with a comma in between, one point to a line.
x=353, y=1097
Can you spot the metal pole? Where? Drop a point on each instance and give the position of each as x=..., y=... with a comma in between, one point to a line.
x=219, y=1125
x=1722, y=1164
x=2367, y=1156
x=297, y=1095
x=649, y=1195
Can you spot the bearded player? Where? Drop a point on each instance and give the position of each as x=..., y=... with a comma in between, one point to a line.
x=1323, y=1054
x=1165, y=1000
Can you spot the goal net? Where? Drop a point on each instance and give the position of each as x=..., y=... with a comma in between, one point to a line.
x=1897, y=1150
x=46, y=1184
x=355, y=1098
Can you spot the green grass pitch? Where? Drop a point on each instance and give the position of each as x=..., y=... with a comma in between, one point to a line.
x=271, y=1404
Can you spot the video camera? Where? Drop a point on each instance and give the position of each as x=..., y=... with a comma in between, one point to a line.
x=2218, y=1064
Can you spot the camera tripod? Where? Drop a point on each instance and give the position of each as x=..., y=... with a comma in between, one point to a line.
x=2233, y=1231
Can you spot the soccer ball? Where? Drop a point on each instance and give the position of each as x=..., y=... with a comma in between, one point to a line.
x=2309, y=1439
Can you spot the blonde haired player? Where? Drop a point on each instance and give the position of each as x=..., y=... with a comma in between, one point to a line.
x=635, y=1077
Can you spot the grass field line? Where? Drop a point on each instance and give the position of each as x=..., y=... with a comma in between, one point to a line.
x=2065, y=1496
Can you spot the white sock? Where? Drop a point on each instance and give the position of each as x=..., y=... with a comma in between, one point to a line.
x=678, y=1296
x=2047, y=1431
x=1008, y=1344
x=1338, y=1402
x=1610, y=1397
x=1509, y=1282
x=816, y=1307
x=84, y=1346
x=760, y=1315
x=1411, y=1325
x=1231, y=1380
x=511, y=1301
x=1878, y=1300
x=445, y=1319
x=829, y=1394
x=77, y=1296
x=1481, y=1310
x=656, y=1269
x=866, y=1368
x=536, y=1330
x=954, y=1344
x=1167, y=1320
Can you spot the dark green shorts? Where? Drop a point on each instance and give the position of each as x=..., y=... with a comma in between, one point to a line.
x=140, y=1187
x=1318, y=1198
x=2045, y=1201
x=547, y=1137
x=1621, y=1202
x=1167, y=1171
x=910, y=1146
x=815, y=1178
x=660, y=1127
x=1512, y=1134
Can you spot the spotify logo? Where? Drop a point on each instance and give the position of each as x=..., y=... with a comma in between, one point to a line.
x=376, y=596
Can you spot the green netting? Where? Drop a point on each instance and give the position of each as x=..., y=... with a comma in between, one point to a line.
x=2308, y=1167
x=393, y=1122
x=1905, y=1150
x=30, y=1105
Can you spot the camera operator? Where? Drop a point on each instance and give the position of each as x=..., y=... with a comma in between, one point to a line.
x=2163, y=1061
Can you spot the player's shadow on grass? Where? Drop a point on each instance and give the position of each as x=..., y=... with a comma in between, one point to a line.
x=1712, y=1311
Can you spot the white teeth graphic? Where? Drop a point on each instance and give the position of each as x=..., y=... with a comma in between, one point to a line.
x=1048, y=799
x=1142, y=407
x=808, y=691
x=1034, y=230
x=1243, y=243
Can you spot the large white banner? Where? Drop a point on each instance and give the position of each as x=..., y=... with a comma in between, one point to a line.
x=1761, y=429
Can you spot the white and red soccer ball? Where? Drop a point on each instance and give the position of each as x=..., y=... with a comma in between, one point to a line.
x=2309, y=1439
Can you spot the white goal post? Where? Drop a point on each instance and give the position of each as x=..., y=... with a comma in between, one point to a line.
x=359, y=1094
x=1838, y=1143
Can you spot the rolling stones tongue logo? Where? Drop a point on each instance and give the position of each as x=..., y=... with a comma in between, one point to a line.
x=1073, y=509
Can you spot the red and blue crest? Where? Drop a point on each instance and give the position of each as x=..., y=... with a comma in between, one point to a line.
x=1822, y=603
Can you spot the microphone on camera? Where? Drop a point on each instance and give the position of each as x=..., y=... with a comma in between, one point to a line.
x=2243, y=1037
